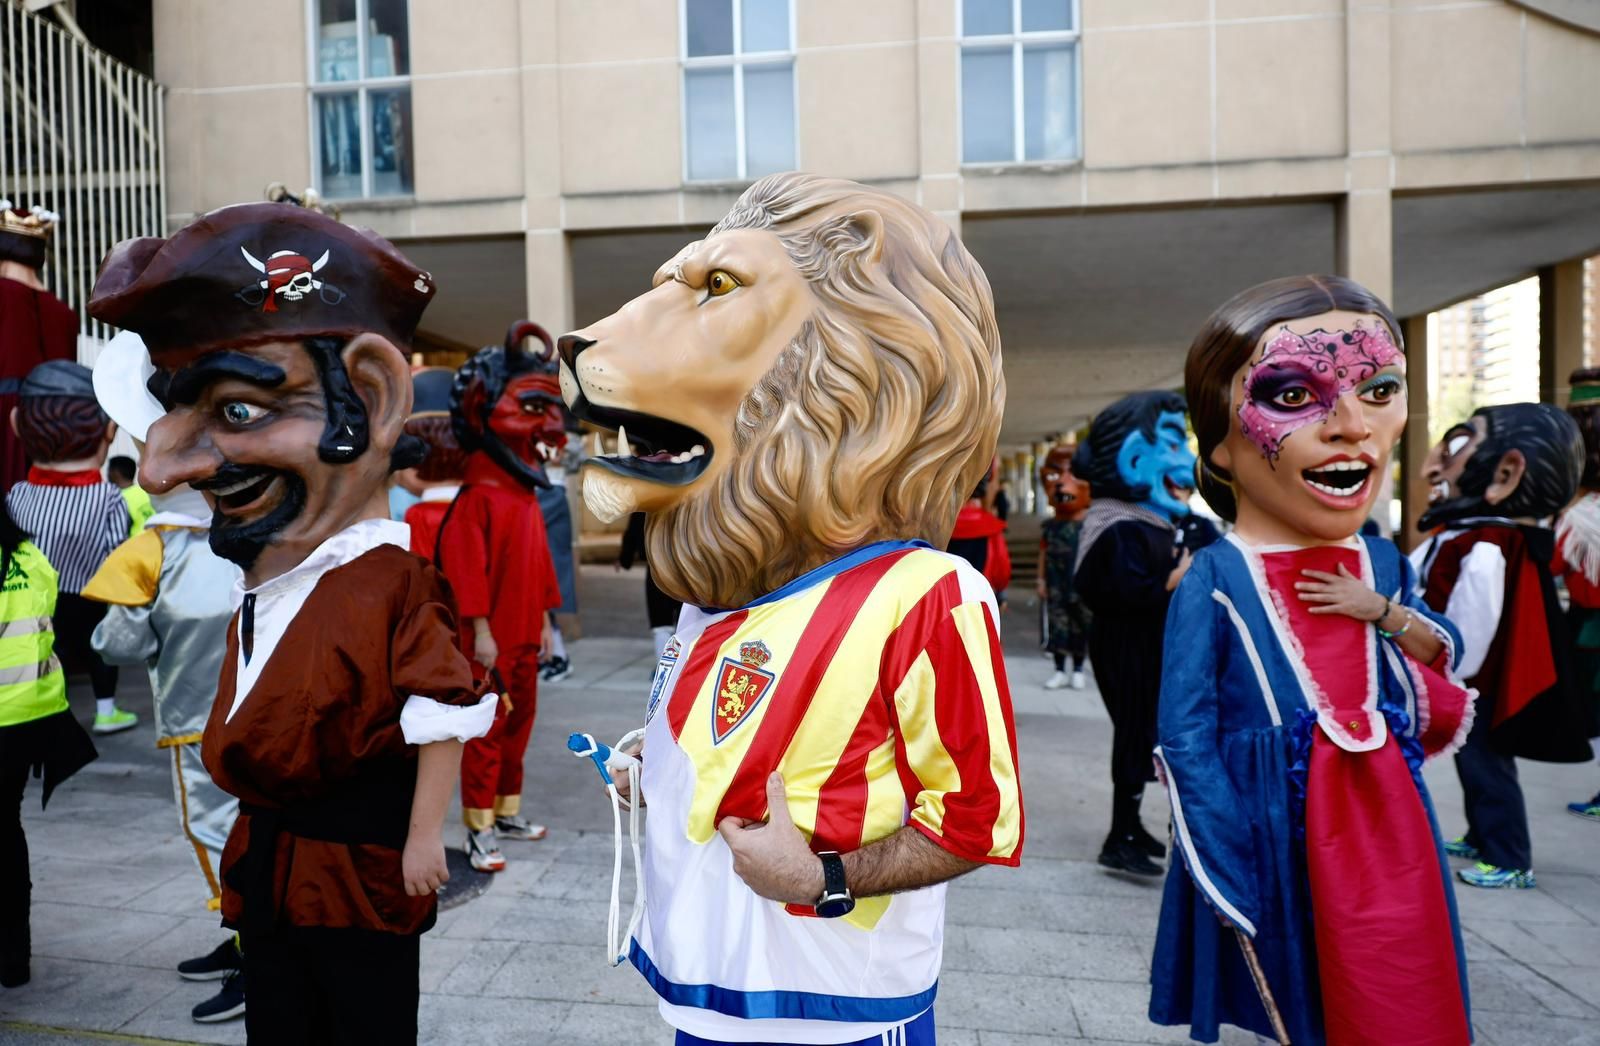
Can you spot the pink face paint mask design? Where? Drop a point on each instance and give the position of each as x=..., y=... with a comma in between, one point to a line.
x=1300, y=377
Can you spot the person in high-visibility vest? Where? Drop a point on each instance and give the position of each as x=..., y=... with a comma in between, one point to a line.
x=36, y=729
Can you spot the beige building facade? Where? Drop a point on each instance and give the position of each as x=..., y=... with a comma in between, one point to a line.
x=1118, y=166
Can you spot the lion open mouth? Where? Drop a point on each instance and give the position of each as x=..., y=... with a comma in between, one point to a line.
x=649, y=448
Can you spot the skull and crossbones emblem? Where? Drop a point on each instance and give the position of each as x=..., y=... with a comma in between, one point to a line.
x=286, y=274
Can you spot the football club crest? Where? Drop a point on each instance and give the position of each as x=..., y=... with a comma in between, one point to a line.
x=658, y=683
x=740, y=686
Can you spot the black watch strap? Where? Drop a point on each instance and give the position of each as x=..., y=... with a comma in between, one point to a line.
x=833, y=883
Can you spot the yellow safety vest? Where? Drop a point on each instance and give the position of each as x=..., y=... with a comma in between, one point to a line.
x=32, y=684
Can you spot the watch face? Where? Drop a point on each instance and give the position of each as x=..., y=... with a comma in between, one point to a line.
x=833, y=907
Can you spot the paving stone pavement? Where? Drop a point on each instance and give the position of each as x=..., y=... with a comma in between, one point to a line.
x=1055, y=951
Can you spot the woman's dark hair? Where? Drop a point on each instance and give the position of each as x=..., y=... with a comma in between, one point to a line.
x=11, y=535
x=1096, y=460
x=1229, y=338
x=445, y=459
x=1585, y=382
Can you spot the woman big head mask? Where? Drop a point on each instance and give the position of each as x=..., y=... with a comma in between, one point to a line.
x=1297, y=394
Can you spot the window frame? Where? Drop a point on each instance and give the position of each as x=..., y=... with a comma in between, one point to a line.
x=1016, y=41
x=737, y=60
x=362, y=86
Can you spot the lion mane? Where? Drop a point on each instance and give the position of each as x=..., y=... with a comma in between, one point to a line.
x=878, y=419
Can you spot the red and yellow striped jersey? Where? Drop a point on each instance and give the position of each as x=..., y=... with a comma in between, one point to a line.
x=876, y=686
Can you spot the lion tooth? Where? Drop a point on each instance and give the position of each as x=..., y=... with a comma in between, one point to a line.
x=623, y=450
x=696, y=450
x=599, y=448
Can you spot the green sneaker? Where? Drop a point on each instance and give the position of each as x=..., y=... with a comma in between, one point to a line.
x=1490, y=877
x=116, y=722
x=1459, y=847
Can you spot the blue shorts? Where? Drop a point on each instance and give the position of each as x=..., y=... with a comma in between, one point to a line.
x=916, y=1032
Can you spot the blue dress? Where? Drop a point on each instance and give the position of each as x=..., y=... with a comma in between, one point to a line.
x=1236, y=714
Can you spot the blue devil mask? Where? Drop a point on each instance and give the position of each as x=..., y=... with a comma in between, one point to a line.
x=1138, y=450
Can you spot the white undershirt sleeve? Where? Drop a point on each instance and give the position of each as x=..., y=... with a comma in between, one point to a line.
x=424, y=720
x=1476, y=602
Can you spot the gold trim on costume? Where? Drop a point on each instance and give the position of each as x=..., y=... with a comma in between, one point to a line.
x=181, y=739
x=183, y=815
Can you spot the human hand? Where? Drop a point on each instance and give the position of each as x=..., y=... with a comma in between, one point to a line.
x=547, y=639
x=484, y=649
x=1184, y=562
x=772, y=857
x=422, y=864
x=620, y=779
x=1341, y=593
x=1038, y=587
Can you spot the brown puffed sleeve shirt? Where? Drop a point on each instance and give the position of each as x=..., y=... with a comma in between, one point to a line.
x=322, y=723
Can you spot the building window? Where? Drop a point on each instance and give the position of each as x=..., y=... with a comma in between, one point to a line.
x=1019, y=81
x=738, y=89
x=360, y=98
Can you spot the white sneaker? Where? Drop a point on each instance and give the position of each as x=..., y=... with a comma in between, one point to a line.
x=1056, y=682
x=1077, y=679
x=484, y=852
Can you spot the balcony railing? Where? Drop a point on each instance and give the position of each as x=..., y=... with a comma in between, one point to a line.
x=82, y=135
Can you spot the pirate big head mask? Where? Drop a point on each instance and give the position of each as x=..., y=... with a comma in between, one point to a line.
x=507, y=404
x=1519, y=460
x=286, y=411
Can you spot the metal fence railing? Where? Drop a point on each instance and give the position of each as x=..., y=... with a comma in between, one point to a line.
x=82, y=135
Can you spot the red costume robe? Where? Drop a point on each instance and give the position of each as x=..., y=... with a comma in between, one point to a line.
x=497, y=558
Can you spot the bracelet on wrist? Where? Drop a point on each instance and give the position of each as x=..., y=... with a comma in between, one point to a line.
x=1385, y=633
x=1387, y=606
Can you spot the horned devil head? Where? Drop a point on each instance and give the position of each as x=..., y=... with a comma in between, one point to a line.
x=288, y=275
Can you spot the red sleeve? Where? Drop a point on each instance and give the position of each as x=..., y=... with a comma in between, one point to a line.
x=465, y=554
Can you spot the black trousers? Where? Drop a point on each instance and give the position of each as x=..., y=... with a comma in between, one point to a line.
x=1497, y=817
x=313, y=985
x=15, y=886
x=74, y=622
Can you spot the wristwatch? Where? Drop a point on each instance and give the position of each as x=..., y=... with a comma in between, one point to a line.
x=835, y=900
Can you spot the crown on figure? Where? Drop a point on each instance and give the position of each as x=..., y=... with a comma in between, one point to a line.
x=754, y=654
x=35, y=221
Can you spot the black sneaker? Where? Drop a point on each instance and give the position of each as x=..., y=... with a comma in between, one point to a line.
x=226, y=1004
x=1124, y=855
x=223, y=960
x=1148, y=844
x=556, y=669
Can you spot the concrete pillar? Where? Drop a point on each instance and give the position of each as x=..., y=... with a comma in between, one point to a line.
x=549, y=276
x=1415, y=444
x=1365, y=218
x=1560, y=329
x=939, y=110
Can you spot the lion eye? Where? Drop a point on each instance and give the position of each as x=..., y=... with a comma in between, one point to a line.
x=720, y=282
x=238, y=413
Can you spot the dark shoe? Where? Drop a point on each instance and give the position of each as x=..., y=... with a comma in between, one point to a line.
x=1148, y=844
x=14, y=973
x=226, y=1004
x=223, y=960
x=556, y=669
x=1124, y=855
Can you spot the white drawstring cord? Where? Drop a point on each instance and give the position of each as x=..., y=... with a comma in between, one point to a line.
x=607, y=760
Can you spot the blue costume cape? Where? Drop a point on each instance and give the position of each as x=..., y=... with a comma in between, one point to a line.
x=1234, y=728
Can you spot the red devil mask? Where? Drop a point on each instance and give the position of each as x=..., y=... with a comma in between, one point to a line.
x=507, y=404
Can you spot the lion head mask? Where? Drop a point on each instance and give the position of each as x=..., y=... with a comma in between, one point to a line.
x=820, y=372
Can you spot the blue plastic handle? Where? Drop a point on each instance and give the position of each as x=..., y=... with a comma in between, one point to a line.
x=585, y=746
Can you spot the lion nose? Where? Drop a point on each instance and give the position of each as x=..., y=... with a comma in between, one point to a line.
x=569, y=345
